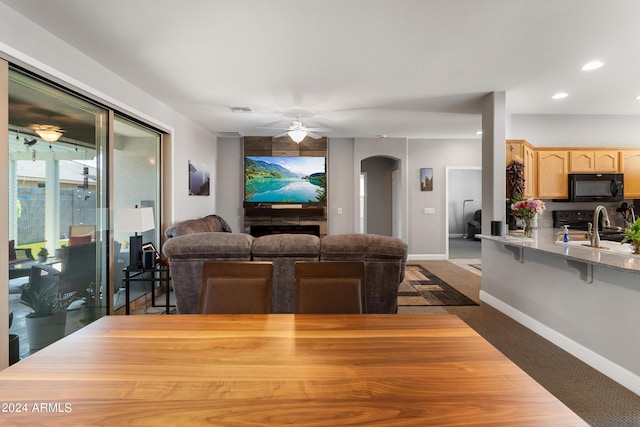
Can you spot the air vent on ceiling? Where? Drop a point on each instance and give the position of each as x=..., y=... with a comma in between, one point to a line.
x=241, y=109
x=229, y=134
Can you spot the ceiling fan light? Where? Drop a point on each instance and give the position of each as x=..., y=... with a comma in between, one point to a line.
x=49, y=135
x=297, y=135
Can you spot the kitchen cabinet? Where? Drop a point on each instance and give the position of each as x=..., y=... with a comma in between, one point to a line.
x=630, y=167
x=553, y=171
x=523, y=152
x=593, y=161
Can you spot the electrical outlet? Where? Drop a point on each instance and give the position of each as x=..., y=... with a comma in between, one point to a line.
x=429, y=211
x=339, y=211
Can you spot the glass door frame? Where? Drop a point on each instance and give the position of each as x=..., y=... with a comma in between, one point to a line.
x=105, y=164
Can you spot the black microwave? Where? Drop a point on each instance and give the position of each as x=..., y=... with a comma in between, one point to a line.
x=596, y=187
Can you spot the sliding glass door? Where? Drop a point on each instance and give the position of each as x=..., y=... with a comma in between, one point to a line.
x=136, y=184
x=56, y=209
x=72, y=166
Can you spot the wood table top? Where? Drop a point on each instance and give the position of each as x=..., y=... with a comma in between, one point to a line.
x=321, y=370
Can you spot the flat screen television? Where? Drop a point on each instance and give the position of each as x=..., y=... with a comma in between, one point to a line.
x=285, y=179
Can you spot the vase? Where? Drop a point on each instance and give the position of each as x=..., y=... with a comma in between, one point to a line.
x=528, y=226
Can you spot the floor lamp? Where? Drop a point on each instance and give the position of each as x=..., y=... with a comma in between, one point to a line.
x=135, y=220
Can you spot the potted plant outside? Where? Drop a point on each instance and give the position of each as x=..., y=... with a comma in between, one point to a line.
x=90, y=308
x=632, y=236
x=43, y=255
x=46, y=323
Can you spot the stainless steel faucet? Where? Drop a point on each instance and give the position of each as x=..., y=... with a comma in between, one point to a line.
x=592, y=232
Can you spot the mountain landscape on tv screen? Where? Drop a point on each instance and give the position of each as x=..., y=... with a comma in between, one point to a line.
x=285, y=179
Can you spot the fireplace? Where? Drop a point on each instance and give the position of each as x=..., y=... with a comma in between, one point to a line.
x=264, y=230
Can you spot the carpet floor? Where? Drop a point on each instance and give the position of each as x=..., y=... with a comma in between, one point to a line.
x=594, y=397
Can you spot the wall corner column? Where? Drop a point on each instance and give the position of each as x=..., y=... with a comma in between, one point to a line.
x=494, y=122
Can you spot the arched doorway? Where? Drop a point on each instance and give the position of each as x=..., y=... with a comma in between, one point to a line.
x=379, y=194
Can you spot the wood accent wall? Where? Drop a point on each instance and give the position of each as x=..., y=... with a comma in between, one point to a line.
x=285, y=146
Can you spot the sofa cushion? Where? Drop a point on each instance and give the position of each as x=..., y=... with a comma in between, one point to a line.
x=283, y=250
x=210, y=223
x=286, y=245
x=209, y=245
x=358, y=247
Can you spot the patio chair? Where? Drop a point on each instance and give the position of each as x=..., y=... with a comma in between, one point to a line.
x=17, y=255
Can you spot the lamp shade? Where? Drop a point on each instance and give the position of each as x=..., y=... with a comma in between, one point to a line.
x=134, y=220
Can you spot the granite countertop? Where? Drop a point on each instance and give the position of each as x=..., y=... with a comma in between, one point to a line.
x=549, y=240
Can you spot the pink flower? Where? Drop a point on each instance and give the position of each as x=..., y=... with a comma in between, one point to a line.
x=527, y=208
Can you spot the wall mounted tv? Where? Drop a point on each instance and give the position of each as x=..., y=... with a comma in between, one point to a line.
x=286, y=179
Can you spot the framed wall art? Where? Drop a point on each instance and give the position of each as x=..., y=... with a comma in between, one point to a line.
x=426, y=179
x=199, y=179
x=150, y=247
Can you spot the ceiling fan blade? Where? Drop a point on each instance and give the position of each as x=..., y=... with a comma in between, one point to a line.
x=282, y=134
x=314, y=135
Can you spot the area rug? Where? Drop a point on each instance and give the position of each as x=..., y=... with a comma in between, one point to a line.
x=421, y=287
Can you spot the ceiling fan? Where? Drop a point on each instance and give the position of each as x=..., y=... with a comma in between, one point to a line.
x=297, y=131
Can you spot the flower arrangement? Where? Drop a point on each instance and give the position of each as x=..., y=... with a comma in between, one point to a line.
x=526, y=210
x=521, y=208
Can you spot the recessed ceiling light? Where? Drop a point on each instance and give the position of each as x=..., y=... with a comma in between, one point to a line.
x=560, y=95
x=638, y=97
x=479, y=132
x=593, y=65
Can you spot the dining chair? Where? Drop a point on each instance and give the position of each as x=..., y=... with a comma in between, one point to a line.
x=236, y=287
x=330, y=287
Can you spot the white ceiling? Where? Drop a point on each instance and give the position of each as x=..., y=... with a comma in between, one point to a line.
x=359, y=68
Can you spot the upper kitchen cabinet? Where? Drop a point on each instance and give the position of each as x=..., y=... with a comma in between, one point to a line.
x=553, y=171
x=523, y=152
x=630, y=167
x=593, y=161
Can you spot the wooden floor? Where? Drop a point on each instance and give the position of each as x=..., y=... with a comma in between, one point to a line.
x=276, y=370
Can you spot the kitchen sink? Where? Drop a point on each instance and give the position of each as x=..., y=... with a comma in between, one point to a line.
x=605, y=245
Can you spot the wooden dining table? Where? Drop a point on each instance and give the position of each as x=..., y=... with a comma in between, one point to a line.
x=279, y=369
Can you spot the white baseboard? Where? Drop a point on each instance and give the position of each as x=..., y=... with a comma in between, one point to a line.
x=607, y=367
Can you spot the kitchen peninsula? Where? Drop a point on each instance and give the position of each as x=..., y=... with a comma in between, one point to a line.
x=584, y=300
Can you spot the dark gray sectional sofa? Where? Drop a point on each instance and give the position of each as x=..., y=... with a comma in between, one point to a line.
x=190, y=243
